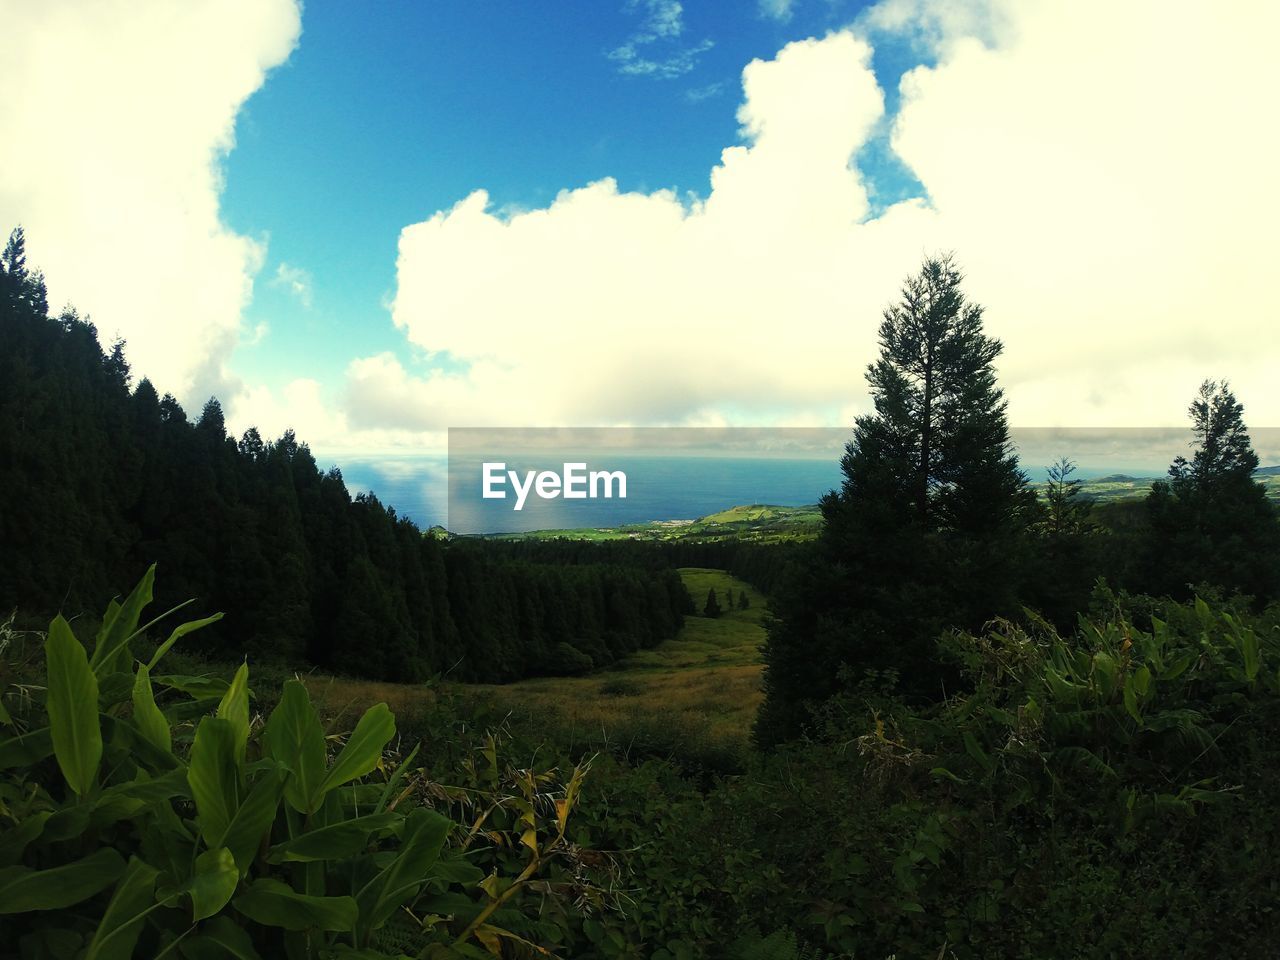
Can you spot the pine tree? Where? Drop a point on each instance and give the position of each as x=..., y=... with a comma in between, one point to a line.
x=1211, y=522
x=929, y=526
x=743, y=602
x=1224, y=453
x=712, y=607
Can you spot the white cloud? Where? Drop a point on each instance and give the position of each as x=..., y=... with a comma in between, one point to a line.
x=1102, y=171
x=302, y=405
x=115, y=120
x=295, y=280
x=777, y=9
x=653, y=51
x=699, y=94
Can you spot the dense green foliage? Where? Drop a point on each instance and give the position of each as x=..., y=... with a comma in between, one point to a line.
x=935, y=526
x=100, y=480
x=154, y=814
x=1101, y=792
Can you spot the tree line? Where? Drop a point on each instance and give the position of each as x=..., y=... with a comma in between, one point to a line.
x=101, y=478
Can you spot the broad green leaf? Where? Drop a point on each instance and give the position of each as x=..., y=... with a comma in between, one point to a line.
x=275, y=904
x=178, y=633
x=235, y=707
x=14, y=840
x=117, y=933
x=123, y=734
x=1142, y=680
x=198, y=687
x=151, y=723
x=1178, y=667
x=252, y=821
x=23, y=889
x=220, y=939
x=1131, y=700
x=1249, y=651
x=26, y=749
x=73, y=708
x=184, y=711
x=214, y=777
x=424, y=835
x=1061, y=688
x=111, y=652
x=362, y=751
x=214, y=882
x=148, y=790
x=108, y=621
x=114, y=688
x=335, y=842
x=294, y=737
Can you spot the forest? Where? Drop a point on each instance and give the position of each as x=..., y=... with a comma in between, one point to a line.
x=105, y=478
x=994, y=723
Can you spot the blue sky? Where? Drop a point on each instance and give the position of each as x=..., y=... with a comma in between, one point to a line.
x=372, y=221
x=388, y=112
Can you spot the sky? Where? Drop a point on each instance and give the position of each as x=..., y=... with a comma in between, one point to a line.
x=371, y=221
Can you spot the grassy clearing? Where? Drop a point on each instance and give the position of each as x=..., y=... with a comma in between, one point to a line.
x=693, y=697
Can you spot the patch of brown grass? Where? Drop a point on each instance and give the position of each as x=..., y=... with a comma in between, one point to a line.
x=346, y=699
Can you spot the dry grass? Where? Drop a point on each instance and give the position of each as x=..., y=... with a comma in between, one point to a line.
x=700, y=689
x=343, y=698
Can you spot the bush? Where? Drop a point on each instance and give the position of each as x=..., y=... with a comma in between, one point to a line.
x=566, y=660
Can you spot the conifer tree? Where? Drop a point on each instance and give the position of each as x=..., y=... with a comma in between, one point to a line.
x=712, y=607
x=1211, y=522
x=927, y=530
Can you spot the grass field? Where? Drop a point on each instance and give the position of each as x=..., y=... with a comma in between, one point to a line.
x=693, y=697
x=756, y=522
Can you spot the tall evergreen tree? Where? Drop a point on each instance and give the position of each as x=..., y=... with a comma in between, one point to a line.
x=928, y=527
x=1211, y=522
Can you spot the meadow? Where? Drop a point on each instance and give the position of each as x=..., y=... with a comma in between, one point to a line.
x=694, y=696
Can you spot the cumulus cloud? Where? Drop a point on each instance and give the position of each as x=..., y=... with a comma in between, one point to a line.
x=1103, y=172
x=116, y=117
x=295, y=280
x=654, y=49
x=304, y=406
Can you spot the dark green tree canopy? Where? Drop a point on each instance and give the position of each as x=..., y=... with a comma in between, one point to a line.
x=929, y=528
x=1223, y=449
x=1211, y=522
x=936, y=451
